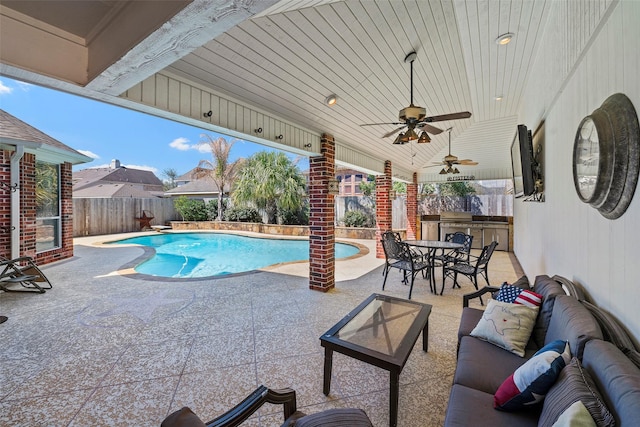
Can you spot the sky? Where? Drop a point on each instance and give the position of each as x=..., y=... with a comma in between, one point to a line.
x=105, y=132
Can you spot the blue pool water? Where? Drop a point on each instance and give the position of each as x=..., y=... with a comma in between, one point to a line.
x=207, y=254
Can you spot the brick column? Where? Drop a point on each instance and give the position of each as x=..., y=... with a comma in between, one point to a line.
x=322, y=258
x=28, y=205
x=412, y=208
x=5, y=204
x=383, y=206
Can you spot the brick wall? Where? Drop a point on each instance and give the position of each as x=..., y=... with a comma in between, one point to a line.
x=28, y=210
x=383, y=206
x=321, y=218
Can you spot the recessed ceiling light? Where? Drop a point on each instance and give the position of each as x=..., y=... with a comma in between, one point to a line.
x=504, y=38
x=498, y=98
x=331, y=100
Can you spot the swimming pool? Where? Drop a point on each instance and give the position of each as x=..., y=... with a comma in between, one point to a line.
x=190, y=255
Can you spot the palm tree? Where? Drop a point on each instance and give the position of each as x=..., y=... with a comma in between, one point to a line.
x=270, y=181
x=219, y=169
x=171, y=175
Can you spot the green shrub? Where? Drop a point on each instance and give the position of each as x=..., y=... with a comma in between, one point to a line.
x=242, y=215
x=357, y=219
x=212, y=208
x=191, y=209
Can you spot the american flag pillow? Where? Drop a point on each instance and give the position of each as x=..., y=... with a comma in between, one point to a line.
x=516, y=295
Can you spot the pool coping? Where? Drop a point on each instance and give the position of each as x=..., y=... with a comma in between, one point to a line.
x=128, y=269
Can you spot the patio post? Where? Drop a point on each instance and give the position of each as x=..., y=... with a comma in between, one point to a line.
x=412, y=208
x=383, y=206
x=321, y=218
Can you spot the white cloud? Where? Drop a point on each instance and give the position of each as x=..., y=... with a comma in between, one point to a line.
x=181, y=144
x=5, y=89
x=204, y=148
x=24, y=86
x=89, y=154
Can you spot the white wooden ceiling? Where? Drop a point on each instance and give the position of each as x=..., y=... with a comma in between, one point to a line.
x=289, y=57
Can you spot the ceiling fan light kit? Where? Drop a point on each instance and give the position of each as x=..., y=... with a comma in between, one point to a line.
x=424, y=138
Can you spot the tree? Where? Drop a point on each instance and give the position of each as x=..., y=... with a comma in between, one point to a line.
x=457, y=188
x=270, y=181
x=399, y=187
x=219, y=169
x=368, y=188
x=171, y=174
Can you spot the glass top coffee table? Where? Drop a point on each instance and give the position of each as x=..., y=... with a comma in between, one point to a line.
x=381, y=331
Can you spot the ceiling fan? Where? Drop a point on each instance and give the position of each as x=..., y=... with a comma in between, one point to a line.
x=450, y=161
x=415, y=118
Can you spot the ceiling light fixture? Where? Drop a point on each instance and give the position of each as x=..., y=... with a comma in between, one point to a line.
x=498, y=98
x=424, y=138
x=504, y=39
x=331, y=100
x=401, y=139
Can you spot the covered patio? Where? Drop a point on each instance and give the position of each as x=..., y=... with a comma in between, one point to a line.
x=105, y=349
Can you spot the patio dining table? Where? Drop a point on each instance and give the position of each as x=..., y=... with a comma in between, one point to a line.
x=433, y=246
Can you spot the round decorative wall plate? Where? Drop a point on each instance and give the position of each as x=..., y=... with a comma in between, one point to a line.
x=606, y=156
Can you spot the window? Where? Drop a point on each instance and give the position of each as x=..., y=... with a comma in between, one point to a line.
x=48, y=221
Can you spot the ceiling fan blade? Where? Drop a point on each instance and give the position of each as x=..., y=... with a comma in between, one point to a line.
x=452, y=116
x=394, y=131
x=376, y=124
x=467, y=162
x=429, y=129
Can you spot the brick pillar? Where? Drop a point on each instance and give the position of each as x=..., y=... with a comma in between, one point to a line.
x=5, y=204
x=28, y=205
x=412, y=208
x=322, y=258
x=383, y=206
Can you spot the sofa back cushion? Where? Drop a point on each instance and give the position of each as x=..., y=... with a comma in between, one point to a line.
x=617, y=378
x=549, y=289
x=571, y=321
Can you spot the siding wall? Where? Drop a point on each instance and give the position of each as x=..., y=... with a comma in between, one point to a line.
x=591, y=51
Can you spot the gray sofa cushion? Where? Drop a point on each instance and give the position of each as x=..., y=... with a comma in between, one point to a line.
x=468, y=321
x=612, y=330
x=469, y=407
x=571, y=321
x=341, y=417
x=549, y=289
x=484, y=366
x=617, y=378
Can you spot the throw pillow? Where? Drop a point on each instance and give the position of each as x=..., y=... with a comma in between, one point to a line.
x=530, y=382
x=182, y=418
x=506, y=325
x=574, y=383
x=515, y=295
x=342, y=417
x=575, y=415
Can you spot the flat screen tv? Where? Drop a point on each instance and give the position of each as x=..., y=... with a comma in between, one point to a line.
x=523, y=163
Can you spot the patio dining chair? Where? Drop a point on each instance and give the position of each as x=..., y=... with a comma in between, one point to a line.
x=22, y=271
x=402, y=256
x=287, y=397
x=477, y=266
x=456, y=255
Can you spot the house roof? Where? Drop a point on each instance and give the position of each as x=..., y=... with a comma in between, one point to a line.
x=14, y=131
x=189, y=176
x=201, y=187
x=89, y=176
x=114, y=190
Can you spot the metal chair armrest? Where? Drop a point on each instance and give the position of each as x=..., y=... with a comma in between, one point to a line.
x=476, y=294
x=253, y=402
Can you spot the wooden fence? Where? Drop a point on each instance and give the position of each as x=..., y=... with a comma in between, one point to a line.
x=93, y=217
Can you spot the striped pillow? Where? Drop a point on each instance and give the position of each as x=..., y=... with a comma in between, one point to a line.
x=575, y=384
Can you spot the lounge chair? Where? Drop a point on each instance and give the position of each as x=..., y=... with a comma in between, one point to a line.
x=25, y=272
x=331, y=417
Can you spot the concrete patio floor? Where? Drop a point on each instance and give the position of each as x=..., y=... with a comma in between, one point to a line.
x=104, y=349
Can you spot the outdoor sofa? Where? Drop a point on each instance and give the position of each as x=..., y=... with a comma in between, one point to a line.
x=602, y=370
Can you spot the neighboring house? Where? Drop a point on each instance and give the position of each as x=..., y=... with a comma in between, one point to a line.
x=36, y=185
x=116, y=181
x=350, y=180
x=202, y=188
x=188, y=177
